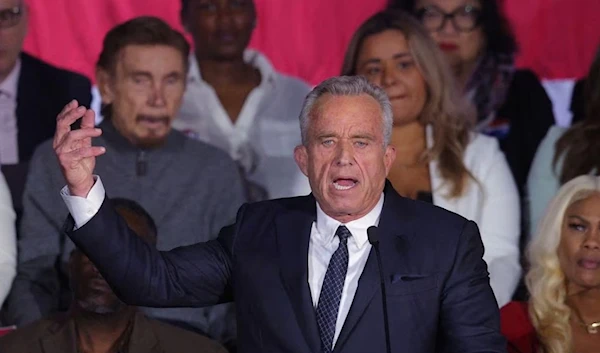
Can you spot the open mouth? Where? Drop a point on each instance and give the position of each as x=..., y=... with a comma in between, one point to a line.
x=153, y=121
x=344, y=183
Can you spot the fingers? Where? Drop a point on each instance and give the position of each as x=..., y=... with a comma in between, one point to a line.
x=71, y=112
x=72, y=158
x=89, y=119
x=77, y=139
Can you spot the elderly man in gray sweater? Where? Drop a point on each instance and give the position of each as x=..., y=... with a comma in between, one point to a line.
x=190, y=188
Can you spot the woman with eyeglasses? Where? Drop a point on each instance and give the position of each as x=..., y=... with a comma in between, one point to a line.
x=511, y=104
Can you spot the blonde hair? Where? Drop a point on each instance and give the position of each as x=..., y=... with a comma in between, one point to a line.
x=545, y=279
x=445, y=109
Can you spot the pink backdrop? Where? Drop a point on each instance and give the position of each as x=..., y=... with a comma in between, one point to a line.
x=307, y=38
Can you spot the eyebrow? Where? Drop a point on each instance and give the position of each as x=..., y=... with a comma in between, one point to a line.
x=377, y=61
x=149, y=74
x=578, y=217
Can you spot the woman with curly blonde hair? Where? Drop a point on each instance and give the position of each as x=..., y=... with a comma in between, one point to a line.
x=563, y=313
x=439, y=159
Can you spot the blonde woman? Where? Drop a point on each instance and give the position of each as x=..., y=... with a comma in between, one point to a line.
x=438, y=158
x=563, y=314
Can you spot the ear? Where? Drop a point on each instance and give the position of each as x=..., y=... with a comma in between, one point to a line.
x=389, y=157
x=104, y=83
x=301, y=158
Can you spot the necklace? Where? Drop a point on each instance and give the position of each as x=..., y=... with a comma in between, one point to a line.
x=591, y=328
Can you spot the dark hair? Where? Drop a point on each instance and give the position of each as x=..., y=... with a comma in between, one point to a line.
x=123, y=204
x=579, y=147
x=145, y=30
x=499, y=36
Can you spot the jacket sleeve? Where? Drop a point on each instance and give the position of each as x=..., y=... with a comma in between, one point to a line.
x=191, y=276
x=469, y=317
x=8, y=238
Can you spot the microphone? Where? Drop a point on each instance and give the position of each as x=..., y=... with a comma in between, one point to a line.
x=374, y=240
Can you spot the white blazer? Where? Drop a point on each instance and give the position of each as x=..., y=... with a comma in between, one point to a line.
x=493, y=204
x=8, y=240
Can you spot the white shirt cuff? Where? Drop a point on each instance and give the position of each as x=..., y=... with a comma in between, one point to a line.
x=84, y=208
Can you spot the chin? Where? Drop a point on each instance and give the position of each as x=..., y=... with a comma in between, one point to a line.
x=151, y=141
x=100, y=306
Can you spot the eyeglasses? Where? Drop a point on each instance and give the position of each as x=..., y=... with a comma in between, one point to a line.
x=10, y=17
x=464, y=19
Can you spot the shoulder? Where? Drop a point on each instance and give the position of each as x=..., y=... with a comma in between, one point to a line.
x=268, y=210
x=524, y=78
x=292, y=84
x=175, y=339
x=481, y=151
x=43, y=155
x=202, y=154
x=49, y=71
x=15, y=341
x=547, y=146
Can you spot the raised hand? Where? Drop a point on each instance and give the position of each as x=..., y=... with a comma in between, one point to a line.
x=76, y=155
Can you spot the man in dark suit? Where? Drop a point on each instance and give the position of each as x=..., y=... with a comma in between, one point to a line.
x=32, y=92
x=301, y=270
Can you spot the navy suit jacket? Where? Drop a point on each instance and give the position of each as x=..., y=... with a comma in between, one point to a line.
x=438, y=293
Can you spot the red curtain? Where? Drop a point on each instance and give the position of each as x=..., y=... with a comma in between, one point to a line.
x=307, y=38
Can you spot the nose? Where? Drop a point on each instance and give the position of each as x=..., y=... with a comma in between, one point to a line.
x=389, y=78
x=157, y=96
x=592, y=240
x=448, y=27
x=345, y=154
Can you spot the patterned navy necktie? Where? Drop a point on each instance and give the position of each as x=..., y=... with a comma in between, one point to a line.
x=331, y=292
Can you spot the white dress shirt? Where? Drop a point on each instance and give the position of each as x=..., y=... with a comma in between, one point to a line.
x=322, y=245
x=264, y=135
x=9, y=147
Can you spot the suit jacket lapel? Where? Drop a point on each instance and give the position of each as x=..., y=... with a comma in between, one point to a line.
x=394, y=228
x=293, y=234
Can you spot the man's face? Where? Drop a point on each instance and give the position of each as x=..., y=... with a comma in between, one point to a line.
x=145, y=91
x=345, y=159
x=91, y=291
x=221, y=28
x=13, y=28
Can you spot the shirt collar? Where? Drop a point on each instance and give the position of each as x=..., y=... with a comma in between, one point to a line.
x=10, y=84
x=327, y=226
x=252, y=57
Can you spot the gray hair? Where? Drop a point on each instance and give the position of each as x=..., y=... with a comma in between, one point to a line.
x=347, y=86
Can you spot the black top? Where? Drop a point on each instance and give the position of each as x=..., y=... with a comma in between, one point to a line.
x=528, y=113
x=425, y=196
x=578, y=102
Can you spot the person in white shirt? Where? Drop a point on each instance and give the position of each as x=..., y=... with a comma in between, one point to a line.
x=237, y=101
x=439, y=158
x=8, y=241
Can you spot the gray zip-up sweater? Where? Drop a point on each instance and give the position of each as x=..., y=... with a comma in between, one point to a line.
x=191, y=189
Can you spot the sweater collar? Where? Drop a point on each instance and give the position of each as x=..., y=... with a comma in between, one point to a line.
x=174, y=142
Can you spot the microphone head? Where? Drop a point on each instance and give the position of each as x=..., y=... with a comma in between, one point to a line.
x=372, y=235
